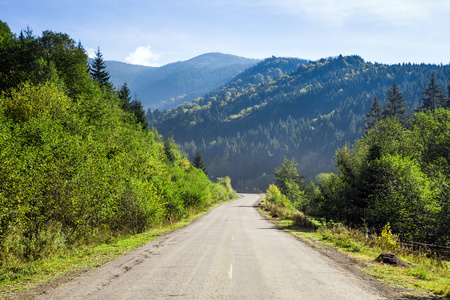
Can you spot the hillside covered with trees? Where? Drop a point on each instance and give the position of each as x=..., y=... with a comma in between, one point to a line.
x=290, y=108
x=77, y=164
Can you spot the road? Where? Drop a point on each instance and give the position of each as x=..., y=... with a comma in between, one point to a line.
x=232, y=252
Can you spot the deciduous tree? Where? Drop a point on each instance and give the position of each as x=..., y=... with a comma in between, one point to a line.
x=288, y=174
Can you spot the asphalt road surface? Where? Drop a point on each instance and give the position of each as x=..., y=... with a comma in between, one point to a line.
x=232, y=252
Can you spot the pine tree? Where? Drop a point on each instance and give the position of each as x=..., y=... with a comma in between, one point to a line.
x=138, y=110
x=375, y=114
x=395, y=105
x=125, y=97
x=170, y=149
x=199, y=163
x=433, y=96
x=98, y=69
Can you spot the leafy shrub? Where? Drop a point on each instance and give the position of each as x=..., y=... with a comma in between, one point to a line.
x=33, y=102
x=274, y=195
x=388, y=239
x=301, y=220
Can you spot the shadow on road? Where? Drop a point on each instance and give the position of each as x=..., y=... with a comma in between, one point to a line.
x=273, y=228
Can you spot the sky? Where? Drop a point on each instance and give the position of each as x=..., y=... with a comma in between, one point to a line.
x=158, y=32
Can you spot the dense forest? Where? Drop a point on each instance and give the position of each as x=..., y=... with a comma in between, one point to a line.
x=292, y=108
x=77, y=158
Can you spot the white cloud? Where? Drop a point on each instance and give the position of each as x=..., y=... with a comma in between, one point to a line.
x=143, y=56
x=91, y=52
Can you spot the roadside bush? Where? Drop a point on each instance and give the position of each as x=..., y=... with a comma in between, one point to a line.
x=302, y=221
x=274, y=195
x=226, y=182
x=220, y=192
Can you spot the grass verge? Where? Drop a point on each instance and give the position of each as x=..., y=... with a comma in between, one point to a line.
x=70, y=263
x=429, y=276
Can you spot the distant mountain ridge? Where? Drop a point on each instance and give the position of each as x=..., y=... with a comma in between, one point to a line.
x=169, y=85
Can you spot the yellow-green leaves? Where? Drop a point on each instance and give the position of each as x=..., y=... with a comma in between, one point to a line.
x=33, y=102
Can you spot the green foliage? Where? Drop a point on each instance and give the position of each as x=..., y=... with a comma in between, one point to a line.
x=125, y=97
x=290, y=182
x=53, y=56
x=30, y=102
x=433, y=96
x=74, y=166
x=395, y=105
x=226, y=183
x=287, y=176
x=275, y=196
x=341, y=237
x=5, y=33
x=199, y=163
x=394, y=175
x=139, y=113
x=171, y=150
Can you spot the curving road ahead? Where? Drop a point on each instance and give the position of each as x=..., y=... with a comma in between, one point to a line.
x=230, y=253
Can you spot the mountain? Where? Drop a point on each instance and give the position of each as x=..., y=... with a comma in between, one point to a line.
x=248, y=126
x=172, y=84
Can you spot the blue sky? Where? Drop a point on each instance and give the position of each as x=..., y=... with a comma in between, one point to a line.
x=157, y=32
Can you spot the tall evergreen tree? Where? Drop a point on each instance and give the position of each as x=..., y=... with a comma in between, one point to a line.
x=98, y=69
x=395, y=105
x=170, y=149
x=125, y=97
x=375, y=114
x=199, y=163
x=433, y=96
x=138, y=110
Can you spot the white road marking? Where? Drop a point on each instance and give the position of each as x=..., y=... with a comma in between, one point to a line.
x=231, y=271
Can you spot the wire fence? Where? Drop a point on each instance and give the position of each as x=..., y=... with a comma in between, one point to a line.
x=436, y=250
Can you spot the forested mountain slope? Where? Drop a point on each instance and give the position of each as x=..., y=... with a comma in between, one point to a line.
x=172, y=84
x=246, y=128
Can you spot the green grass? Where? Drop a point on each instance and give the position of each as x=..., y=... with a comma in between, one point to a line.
x=20, y=276
x=429, y=276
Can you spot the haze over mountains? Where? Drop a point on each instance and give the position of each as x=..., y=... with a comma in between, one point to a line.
x=167, y=86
